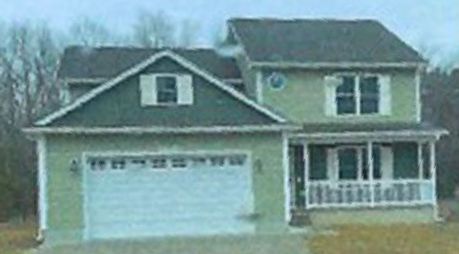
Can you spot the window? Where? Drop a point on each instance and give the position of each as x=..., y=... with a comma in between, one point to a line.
x=346, y=96
x=236, y=160
x=97, y=164
x=358, y=95
x=217, y=161
x=118, y=164
x=158, y=163
x=369, y=95
x=353, y=163
x=179, y=163
x=139, y=163
x=166, y=89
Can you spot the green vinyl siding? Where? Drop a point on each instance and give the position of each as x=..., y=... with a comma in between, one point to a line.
x=65, y=188
x=303, y=97
x=121, y=105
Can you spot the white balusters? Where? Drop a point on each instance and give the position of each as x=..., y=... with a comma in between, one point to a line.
x=325, y=194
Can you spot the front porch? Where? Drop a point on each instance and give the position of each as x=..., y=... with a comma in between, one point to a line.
x=361, y=170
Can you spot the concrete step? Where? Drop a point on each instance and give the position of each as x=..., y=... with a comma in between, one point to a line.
x=300, y=218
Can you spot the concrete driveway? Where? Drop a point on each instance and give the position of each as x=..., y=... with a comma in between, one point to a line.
x=264, y=244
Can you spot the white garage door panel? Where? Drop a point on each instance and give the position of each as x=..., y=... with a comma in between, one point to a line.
x=144, y=229
x=135, y=202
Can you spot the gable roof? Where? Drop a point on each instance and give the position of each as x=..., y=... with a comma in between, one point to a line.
x=320, y=41
x=142, y=65
x=101, y=63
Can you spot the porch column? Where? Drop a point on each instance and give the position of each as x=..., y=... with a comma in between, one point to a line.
x=420, y=161
x=306, y=172
x=285, y=162
x=433, y=177
x=370, y=172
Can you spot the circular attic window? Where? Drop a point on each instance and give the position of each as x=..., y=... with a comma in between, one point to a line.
x=277, y=80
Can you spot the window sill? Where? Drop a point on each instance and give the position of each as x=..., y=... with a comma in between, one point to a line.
x=170, y=105
x=372, y=115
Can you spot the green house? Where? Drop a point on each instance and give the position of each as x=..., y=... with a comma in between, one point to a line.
x=291, y=123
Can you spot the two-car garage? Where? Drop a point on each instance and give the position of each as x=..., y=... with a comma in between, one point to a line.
x=191, y=193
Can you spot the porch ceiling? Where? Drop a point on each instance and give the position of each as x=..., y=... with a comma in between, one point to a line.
x=356, y=132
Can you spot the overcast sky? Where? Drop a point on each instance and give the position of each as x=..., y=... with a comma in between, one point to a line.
x=433, y=23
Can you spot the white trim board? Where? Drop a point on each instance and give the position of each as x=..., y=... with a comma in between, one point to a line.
x=285, y=166
x=417, y=81
x=42, y=179
x=376, y=135
x=142, y=65
x=84, y=81
x=140, y=130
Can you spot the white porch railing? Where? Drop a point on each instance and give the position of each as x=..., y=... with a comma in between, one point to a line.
x=326, y=194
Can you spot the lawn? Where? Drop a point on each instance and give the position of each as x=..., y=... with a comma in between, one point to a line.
x=17, y=238
x=396, y=239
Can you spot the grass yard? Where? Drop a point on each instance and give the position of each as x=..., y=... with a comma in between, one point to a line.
x=396, y=239
x=15, y=239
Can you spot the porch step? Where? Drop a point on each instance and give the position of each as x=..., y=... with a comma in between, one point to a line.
x=300, y=218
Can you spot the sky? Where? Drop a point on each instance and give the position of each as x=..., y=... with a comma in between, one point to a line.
x=432, y=24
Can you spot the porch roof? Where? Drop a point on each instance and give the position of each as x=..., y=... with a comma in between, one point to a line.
x=371, y=131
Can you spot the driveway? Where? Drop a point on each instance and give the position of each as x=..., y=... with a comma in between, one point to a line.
x=264, y=244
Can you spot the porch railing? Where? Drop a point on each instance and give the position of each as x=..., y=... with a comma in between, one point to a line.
x=325, y=194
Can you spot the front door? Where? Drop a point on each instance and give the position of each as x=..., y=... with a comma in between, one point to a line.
x=297, y=181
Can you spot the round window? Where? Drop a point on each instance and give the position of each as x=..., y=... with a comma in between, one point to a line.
x=277, y=80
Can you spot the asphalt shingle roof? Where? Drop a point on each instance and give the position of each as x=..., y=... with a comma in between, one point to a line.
x=368, y=127
x=321, y=40
x=107, y=62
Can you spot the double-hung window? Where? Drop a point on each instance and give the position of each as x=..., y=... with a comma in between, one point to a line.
x=166, y=89
x=358, y=95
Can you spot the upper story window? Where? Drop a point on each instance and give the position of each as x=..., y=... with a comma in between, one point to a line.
x=353, y=94
x=164, y=89
x=358, y=95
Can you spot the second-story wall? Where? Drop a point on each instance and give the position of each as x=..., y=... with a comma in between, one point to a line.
x=303, y=98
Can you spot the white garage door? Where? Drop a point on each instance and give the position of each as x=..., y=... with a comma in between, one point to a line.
x=137, y=196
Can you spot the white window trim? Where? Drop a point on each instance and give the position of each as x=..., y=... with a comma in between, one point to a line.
x=358, y=94
x=42, y=186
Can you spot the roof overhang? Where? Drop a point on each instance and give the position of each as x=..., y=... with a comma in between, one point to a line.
x=161, y=130
x=337, y=65
x=374, y=136
x=87, y=81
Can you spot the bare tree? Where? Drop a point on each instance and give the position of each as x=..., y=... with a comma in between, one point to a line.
x=88, y=32
x=188, y=33
x=28, y=65
x=153, y=30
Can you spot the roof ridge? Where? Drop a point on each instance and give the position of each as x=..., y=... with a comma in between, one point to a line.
x=129, y=47
x=285, y=19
